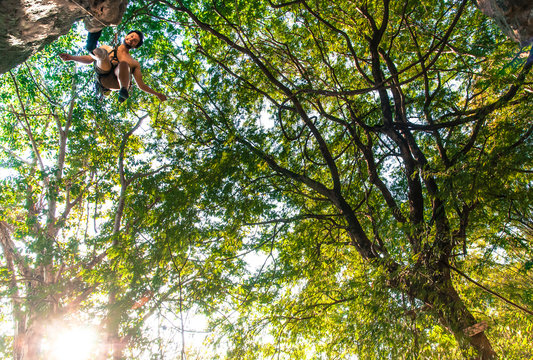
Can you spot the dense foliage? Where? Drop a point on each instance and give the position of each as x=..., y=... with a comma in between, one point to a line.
x=326, y=181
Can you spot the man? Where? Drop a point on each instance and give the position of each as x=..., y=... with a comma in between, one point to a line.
x=115, y=67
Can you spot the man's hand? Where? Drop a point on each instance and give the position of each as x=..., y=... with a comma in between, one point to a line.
x=161, y=97
x=66, y=57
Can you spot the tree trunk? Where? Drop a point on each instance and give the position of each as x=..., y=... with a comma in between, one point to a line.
x=450, y=309
x=454, y=314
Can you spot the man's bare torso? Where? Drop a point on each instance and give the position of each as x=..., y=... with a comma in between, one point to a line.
x=122, y=55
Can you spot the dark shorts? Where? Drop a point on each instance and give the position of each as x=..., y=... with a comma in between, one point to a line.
x=101, y=73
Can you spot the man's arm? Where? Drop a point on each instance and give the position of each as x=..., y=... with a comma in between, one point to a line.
x=137, y=75
x=84, y=59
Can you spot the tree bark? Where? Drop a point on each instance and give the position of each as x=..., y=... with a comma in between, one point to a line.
x=436, y=290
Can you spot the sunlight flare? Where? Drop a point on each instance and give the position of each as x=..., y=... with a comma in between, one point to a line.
x=71, y=343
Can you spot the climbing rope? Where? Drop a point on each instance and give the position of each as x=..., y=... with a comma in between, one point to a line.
x=89, y=13
x=115, y=38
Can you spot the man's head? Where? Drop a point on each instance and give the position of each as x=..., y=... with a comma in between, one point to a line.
x=134, y=39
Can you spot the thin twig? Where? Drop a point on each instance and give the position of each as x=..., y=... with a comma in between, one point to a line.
x=490, y=291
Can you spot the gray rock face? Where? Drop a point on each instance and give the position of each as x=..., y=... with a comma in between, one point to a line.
x=26, y=26
x=515, y=17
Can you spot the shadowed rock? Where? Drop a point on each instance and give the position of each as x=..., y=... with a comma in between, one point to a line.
x=514, y=17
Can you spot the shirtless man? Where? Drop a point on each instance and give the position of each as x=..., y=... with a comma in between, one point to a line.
x=116, y=66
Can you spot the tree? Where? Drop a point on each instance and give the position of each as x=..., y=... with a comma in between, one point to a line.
x=399, y=142
x=64, y=222
x=327, y=181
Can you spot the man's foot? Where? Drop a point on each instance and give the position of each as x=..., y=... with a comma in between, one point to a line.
x=99, y=54
x=123, y=95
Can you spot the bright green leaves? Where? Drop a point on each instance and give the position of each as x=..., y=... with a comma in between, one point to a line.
x=312, y=69
x=232, y=189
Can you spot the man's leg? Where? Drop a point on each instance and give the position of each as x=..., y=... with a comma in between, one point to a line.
x=102, y=59
x=122, y=72
x=92, y=40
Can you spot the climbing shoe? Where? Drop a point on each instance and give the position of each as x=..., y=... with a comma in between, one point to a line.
x=123, y=95
x=98, y=54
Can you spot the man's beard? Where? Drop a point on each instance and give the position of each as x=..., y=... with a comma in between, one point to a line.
x=126, y=45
